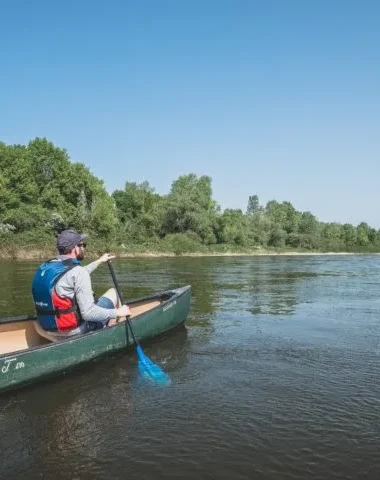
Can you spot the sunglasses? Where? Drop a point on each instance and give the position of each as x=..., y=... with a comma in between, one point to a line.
x=84, y=245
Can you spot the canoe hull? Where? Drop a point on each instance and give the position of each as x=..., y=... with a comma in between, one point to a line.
x=28, y=366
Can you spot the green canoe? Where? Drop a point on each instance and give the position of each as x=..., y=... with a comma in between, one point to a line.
x=26, y=357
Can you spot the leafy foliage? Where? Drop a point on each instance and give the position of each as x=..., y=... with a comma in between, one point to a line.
x=41, y=188
x=43, y=192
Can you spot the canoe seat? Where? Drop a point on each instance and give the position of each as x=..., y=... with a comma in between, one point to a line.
x=56, y=337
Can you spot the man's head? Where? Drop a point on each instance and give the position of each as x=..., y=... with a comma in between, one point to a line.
x=70, y=242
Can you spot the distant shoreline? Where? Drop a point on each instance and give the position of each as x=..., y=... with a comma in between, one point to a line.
x=39, y=254
x=246, y=254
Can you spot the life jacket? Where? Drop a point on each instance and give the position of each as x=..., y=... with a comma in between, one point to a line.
x=54, y=313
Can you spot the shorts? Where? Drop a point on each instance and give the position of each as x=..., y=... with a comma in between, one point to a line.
x=103, y=302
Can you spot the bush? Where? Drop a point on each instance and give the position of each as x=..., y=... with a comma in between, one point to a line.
x=179, y=243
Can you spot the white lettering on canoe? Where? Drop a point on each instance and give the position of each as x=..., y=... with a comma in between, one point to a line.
x=11, y=364
x=170, y=305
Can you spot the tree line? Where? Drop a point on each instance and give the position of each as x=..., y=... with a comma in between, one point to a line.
x=43, y=192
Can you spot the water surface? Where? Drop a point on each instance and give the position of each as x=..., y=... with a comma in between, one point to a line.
x=276, y=376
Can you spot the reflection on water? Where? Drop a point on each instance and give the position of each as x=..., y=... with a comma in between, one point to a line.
x=275, y=376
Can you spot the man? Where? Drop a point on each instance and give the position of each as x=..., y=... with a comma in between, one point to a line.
x=63, y=296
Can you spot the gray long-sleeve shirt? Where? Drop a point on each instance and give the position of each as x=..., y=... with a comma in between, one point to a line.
x=77, y=282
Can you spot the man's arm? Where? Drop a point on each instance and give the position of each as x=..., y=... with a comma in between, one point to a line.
x=94, y=265
x=83, y=291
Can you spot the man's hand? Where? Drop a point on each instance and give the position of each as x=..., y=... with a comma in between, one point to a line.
x=121, y=314
x=123, y=311
x=104, y=258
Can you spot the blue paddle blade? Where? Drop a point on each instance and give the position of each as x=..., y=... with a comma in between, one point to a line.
x=151, y=371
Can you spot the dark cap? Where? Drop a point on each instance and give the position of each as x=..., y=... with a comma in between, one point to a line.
x=69, y=239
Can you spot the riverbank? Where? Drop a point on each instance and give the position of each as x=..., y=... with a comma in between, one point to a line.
x=41, y=245
x=44, y=253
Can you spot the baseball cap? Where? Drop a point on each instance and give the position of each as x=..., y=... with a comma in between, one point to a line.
x=69, y=238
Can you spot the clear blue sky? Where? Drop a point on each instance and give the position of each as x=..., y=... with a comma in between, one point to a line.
x=275, y=98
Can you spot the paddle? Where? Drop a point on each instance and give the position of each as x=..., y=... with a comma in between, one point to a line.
x=147, y=368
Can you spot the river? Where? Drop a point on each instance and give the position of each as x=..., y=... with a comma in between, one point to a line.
x=275, y=376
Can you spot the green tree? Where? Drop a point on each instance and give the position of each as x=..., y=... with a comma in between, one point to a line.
x=190, y=207
x=139, y=211
x=41, y=188
x=233, y=228
x=362, y=232
x=349, y=235
x=277, y=237
x=332, y=236
x=283, y=216
x=253, y=205
x=308, y=224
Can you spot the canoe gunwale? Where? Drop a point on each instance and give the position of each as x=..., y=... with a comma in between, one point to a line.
x=20, y=318
x=172, y=294
x=26, y=318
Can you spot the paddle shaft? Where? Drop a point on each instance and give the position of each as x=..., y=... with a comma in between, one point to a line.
x=146, y=366
x=120, y=295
